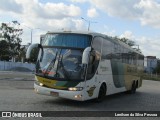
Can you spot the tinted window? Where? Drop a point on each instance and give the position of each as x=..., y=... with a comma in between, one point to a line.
x=116, y=52
x=97, y=42
x=67, y=40
x=107, y=49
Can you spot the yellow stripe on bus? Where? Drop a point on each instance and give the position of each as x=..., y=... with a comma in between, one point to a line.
x=49, y=82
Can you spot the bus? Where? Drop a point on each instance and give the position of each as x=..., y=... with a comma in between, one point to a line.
x=85, y=65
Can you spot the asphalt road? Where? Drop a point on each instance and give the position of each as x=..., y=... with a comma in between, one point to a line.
x=13, y=75
x=18, y=95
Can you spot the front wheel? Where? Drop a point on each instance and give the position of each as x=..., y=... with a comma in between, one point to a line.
x=102, y=93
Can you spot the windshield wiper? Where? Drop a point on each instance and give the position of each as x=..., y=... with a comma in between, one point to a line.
x=51, y=64
x=62, y=66
x=64, y=70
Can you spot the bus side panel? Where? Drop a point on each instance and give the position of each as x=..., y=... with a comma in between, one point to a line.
x=118, y=73
x=131, y=74
x=125, y=74
x=111, y=77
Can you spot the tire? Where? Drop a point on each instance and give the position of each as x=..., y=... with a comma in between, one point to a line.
x=133, y=88
x=102, y=93
x=137, y=84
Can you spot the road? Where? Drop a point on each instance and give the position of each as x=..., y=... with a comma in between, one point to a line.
x=13, y=75
x=18, y=95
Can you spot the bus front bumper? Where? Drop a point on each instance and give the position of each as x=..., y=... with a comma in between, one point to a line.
x=73, y=95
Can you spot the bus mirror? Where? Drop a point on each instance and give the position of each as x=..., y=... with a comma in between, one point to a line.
x=85, y=57
x=30, y=48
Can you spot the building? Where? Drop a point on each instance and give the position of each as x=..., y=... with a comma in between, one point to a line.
x=150, y=63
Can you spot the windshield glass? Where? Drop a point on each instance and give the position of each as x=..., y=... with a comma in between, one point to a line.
x=67, y=40
x=65, y=61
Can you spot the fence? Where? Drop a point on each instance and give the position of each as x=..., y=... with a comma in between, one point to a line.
x=4, y=65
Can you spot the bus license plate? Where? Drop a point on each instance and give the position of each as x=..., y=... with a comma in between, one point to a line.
x=54, y=93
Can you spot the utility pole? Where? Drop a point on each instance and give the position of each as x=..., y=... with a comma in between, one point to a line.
x=89, y=22
x=31, y=29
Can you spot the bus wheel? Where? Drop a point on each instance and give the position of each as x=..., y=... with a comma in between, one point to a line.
x=133, y=89
x=137, y=84
x=102, y=93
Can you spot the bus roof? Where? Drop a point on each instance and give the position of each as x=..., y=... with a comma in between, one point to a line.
x=69, y=31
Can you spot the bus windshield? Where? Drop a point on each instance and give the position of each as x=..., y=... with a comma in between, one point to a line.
x=62, y=59
x=67, y=40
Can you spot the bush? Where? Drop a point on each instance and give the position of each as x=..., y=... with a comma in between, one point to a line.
x=151, y=77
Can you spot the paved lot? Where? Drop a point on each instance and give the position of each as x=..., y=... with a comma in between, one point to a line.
x=18, y=94
x=13, y=75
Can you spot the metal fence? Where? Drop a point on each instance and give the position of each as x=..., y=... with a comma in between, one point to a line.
x=4, y=65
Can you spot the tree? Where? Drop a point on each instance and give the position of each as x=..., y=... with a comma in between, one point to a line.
x=4, y=50
x=127, y=41
x=11, y=32
x=131, y=43
x=22, y=54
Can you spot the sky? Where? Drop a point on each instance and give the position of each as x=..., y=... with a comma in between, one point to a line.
x=138, y=20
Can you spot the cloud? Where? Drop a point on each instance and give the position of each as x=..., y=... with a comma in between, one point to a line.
x=92, y=13
x=57, y=11
x=127, y=34
x=10, y=6
x=151, y=14
x=117, y=8
x=145, y=11
x=47, y=16
x=146, y=44
x=49, y=10
x=79, y=1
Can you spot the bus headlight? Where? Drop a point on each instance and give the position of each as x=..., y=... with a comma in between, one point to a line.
x=75, y=88
x=41, y=84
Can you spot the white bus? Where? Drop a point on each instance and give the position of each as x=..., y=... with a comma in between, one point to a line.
x=85, y=65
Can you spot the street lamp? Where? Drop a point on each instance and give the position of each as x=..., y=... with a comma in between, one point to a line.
x=31, y=31
x=89, y=22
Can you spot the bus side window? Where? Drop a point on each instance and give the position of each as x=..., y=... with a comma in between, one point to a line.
x=97, y=43
x=107, y=49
